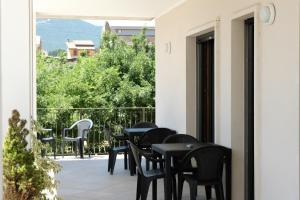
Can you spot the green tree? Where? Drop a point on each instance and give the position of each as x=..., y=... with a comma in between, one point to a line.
x=25, y=172
x=118, y=75
x=57, y=52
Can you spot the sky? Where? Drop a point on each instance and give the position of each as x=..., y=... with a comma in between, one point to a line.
x=122, y=22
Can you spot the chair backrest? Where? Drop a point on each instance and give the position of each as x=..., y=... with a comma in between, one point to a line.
x=155, y=136
x=180, y=138
x=144, y=125
x=209, y=163
x=136, y=152
x=82, y=127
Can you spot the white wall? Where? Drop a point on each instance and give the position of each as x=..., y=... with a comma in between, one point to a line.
x=1, y=110
x=16, y=58
x=15, y=62
x=276, y=89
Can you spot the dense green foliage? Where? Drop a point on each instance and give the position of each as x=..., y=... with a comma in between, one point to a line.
x=25, y=172
x=119, y=75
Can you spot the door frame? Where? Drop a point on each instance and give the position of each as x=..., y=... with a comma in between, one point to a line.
x=237, y=115
x=191, y=78
x=204, y=38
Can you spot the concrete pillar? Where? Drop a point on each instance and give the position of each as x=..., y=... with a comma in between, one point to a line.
x=16, y=57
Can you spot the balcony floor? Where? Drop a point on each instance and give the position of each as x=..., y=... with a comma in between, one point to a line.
x=88, y=179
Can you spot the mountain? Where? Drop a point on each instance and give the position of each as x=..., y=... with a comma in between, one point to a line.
x=55, y=32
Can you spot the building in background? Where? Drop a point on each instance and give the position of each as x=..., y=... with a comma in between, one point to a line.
x=77, y=47
x=126, y=32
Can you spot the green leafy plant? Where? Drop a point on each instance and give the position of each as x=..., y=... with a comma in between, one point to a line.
x=26, y=174
x=118, y=75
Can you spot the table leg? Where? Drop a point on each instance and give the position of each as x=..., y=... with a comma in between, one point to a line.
x=208, y=191
x=228, y=176
x=132, y=167
x=168, y=178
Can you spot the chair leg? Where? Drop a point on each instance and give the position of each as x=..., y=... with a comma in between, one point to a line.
x=54, y=148
x=174, y=187
x=180, y=186
x=219, y=192
x=138, y=187
x=154, y=165
x=161, y=163
x=43, y=152
x=222, y=192
x=154, y=189
x=147, y=165
x=208, y=192
x=129, y=162
x=113, y=162
x=145, y=184
x=81, y=147
x=46, y=152
x=62, y=147
x=76, y=148
x=109, y=161
x=193, y=189
x=89, y=148
x=125, y=160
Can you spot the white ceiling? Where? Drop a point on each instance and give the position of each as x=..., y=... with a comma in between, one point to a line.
x=104, y=9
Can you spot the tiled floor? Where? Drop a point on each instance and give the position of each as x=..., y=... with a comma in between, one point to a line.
x=88, y=179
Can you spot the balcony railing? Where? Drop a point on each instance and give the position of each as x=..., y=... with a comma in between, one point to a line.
x=116, y=118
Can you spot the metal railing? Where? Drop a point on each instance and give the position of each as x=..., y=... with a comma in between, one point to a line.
x=115, y=118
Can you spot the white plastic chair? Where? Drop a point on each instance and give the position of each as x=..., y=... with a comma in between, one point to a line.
x=83, y=127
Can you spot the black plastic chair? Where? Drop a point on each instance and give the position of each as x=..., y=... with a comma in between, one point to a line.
x=114, y=151
x=138, y=125
x=47, y=136
x=208, y=163
x=144, y=125
x=180, y=138
x=154, y=136
x=145, y=178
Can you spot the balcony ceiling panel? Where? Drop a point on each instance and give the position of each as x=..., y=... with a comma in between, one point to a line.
x=104, y=9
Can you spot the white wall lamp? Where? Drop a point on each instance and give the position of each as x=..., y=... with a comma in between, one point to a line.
x=168, y=47
x=267, y=13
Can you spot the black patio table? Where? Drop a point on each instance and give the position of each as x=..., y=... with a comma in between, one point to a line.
x=133, y=132
x=179, y=150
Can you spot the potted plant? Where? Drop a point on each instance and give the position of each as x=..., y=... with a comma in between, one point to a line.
x=26, y=174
